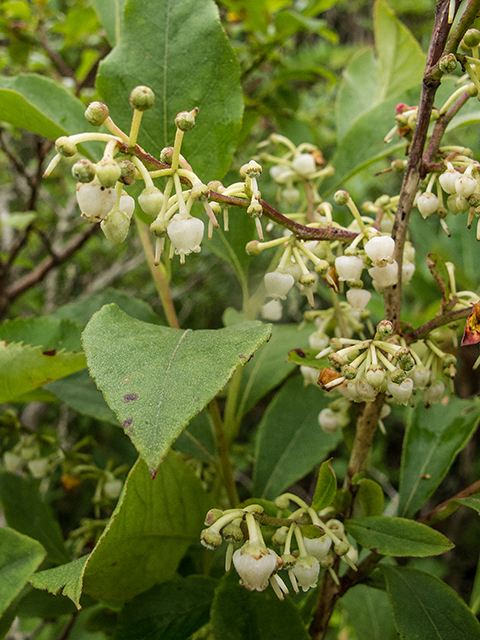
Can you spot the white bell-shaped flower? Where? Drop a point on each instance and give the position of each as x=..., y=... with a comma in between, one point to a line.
x=291, y=196
x=408, y=269
x=306, y=570
x=401, y=392
x=278, y=284
x=95, y=201
x=318, y=547
x=349, y=267
x=385, y=276
x=310, y=375
x=380, y=249
x=462, y=204
x=447, y=180
x=186, y=234
x=427, y=204
x=328, y=420
x=358, y=298
x=151, y=201
x=465, y=184
x=281, y=173
x=420, y=376
x=272, y=310
x=304, y=164
x=318, y=340
x=434, y=393
x=365, y=391
x=255, y=564
x=375, y=375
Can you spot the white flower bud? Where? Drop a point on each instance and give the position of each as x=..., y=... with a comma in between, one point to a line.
x=365, y=391
x=380, y=249
x=278, y=284
x=358, y=298
x=291, y=196
x=116, y=226
x=304, y=164
x=318, y=340
x=12, y=462
x=447, y=180
x=310, y=375
x=328, y=420
x=375, y=375
x=94, y=200
x=409, y=252
x=427, y=204
x=151, y=201
x=280, y=173
x=385, y=276
x=255, y=565
x=112, y=489
x=186, y=235
x=349, y=267
x=318, y=547
x=38, y=468
x=272, y=310
x=401, y=392
x=434, y=393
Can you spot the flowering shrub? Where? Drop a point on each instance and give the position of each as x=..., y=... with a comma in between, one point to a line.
x=178, y=528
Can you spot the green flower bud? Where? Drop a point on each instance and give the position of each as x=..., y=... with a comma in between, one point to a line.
x=308, y=279
x=341, y=548
x=83, y=170
x=232, y=532
x=65, y=147
x=166, y=155
x=341, y=197
x=255, y=209
x=398, y=376
x=472, y=38
x=211, y=539
x=212, y=516
x=108, y=173
x=251, y=169
x=127, y=172
x=385, y=328
x=185, y=120
x=288, y=561
x=349, y=372
x=96, y=113
x=142, y=98
x=448, y=63
x=253, y=248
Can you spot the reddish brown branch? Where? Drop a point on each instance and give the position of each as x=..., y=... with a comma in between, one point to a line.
x=465, y=493
x=439, y=321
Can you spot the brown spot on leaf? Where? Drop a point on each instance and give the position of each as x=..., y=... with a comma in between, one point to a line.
x=130, y=397
x=126, y=423
x=300, y=353
x=49, y=352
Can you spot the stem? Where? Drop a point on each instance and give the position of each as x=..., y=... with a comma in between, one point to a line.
x=469, y=491
x=230, y=415
x=326, y=600
x=366, y=427
x=224, y=453
x=414, y=170
x=159, y=277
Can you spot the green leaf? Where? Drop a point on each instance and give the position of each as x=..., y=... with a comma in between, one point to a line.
x=19, y=558
x=401, y=61
x=154, y=523
x=79, y=392
x=475, y=597
x=370, y=613
x=270, y=367
x=433, y=438
x=26, y=511
x=306, y=358
x=41, y=105
x=326, y=487
x=473, y=502
x=180, y=50
x=198, y=439
x=425, y=608
x=82, y=310
x=110, y=14
x=66, y=579
x=397, y=537
x=290, y=441
x=25, y=368
x=169, y=611
x=238, y=614
x=370, y=494
x=159, y=385
x=49, y=333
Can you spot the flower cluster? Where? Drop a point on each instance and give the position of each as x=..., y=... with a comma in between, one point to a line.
x=258, y=566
